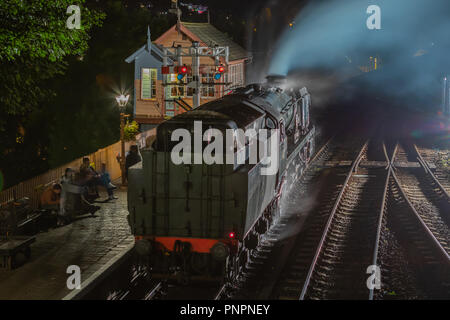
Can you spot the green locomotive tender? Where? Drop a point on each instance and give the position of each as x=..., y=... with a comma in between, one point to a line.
x=199, y=219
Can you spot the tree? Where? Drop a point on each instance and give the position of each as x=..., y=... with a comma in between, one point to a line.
x=34, y=43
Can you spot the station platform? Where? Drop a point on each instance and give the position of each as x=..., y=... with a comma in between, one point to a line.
x=89, y=242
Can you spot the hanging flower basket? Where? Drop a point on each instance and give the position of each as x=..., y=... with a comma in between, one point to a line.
x=131, y=130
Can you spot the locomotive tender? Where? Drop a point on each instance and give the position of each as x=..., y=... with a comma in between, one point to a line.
x=198, y=219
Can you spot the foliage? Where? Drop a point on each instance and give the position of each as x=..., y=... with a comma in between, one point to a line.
x=34, y=42
x=35, y=46
x=130, y=131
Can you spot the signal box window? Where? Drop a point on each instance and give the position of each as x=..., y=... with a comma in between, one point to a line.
x=208, y=88
x=174, y=91
x=148, y=83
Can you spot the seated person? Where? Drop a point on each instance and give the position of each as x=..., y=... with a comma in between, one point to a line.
x=106, y=181
x=91, y=178
x=51, y=198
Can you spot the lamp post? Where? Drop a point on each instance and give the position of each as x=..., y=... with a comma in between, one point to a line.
x=122, y=101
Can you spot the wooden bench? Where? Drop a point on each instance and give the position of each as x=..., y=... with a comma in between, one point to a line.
x=11, y=248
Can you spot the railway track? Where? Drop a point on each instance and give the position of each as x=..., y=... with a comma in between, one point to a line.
x=338, y=270
x=140, y=287
x=413, y=263
x=330, y=164
x=378, y=205
x=425, y=193
x=356, y=234
x=441, y=159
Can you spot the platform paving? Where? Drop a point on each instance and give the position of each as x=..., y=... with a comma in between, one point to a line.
x=89, y=242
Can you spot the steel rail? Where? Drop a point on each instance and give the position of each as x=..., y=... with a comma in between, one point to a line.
x=381, y=215
x=428, y=170
x=151, y=295
x=223, y=289
x=330, y=219
x=427, y=230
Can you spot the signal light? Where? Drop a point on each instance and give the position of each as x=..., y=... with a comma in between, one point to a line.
x=182, y=71
x=231, y=235
x=219, y=71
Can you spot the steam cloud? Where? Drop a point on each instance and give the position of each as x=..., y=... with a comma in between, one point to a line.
x=412, y=45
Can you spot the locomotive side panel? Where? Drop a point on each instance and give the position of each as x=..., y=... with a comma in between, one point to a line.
x=261, y=189
x=197, y=201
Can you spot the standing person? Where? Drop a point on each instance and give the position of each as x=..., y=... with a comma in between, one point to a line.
x=106, y=181
x=132, y=158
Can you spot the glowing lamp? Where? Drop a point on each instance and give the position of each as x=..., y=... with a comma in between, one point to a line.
x=122, y=100
x=231, y=235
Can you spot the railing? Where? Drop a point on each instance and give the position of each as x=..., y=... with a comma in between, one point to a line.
x=31, y=188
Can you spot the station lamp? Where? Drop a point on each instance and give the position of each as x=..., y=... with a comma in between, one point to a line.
x=122, y=102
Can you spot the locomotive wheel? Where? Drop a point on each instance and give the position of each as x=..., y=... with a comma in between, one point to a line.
x=252, y=241
x=231, y=269
x=262, y=226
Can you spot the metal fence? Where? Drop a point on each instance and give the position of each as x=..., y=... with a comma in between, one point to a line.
x=32, y=187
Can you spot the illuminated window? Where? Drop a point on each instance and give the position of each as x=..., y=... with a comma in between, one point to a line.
x=148, y=83
x=174, y=91
x=208, y=88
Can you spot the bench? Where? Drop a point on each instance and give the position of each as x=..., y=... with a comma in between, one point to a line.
x=15, y=250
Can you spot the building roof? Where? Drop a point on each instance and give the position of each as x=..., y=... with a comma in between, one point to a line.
x=155, y=51
x=209, y=35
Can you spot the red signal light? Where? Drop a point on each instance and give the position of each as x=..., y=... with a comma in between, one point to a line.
x=184, y=70
x=221, y=69
x=231, y=235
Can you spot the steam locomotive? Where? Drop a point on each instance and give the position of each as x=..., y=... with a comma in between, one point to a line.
x=200, y=219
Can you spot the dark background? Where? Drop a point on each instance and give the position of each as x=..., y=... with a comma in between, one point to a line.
x=81, y=115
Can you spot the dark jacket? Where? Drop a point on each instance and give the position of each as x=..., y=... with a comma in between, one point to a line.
x=131, y=159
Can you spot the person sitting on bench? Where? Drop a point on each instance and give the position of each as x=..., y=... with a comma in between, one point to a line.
x=51, y=197
x=90, y=176
x=106, y=180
